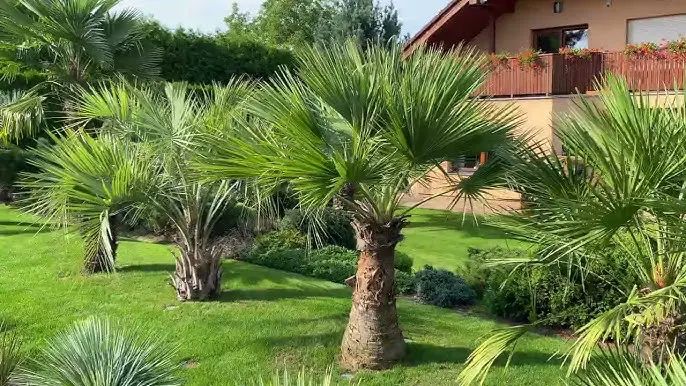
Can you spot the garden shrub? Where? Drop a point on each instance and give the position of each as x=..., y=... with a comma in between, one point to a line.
x=12, y=164
x=551, y=295
x=331, y=263
x=404, y=283
x=333, y=227
x=403, y=262
x=282, y=239
x=443, y=288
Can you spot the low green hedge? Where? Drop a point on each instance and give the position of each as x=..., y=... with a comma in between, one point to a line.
x=286, y=250
x=551, y=295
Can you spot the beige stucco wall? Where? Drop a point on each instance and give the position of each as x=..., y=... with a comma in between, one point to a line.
x=607, y=25
x=539, y=116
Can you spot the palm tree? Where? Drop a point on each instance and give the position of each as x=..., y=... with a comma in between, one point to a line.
x=368, y=124
x=71, y=42
x=166, y=125
x=621, y=187
x=88, y=184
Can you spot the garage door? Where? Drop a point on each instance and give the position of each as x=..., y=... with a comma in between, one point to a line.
x=656, y=29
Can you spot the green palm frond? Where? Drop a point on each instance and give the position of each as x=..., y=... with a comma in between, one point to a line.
x=620, y=187
x=21, y=115
x=83, y=182
x=622, y=367
x=363, y=118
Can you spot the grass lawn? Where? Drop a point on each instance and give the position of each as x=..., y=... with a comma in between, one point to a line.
x=265, y=319
x=440, y=238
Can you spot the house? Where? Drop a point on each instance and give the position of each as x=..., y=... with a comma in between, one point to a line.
x=546, y=53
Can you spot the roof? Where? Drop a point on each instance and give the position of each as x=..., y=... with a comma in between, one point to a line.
x=461, y=20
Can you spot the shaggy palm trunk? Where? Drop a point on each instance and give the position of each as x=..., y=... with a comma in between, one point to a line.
x=198, y=275
x=661, y=339
x=373, y=339
x=5, y=195
x=100, y=262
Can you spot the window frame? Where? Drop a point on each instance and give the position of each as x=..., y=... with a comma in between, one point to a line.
x=559, y=30
x=483, y=157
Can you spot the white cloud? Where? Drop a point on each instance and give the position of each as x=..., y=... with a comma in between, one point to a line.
x=208, y=15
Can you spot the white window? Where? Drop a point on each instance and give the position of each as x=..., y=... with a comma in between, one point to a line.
x=656, y=29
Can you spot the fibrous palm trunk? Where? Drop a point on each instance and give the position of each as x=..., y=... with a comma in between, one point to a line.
x=99, y=262
x=5, y=194
x=373, y=339
x=198, y=275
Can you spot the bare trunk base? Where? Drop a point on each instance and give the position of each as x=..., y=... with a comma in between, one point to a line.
x=661, y=339
x=373, y=339
x=6, y=195
x=197, y=280
x=100, y=263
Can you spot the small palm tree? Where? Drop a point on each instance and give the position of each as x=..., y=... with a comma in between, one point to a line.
x=166, y=124
x=362, y=126
x=88, y=184
x=621, y=187
x=71, y=42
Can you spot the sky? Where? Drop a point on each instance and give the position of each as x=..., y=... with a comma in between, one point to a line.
x=208, y=15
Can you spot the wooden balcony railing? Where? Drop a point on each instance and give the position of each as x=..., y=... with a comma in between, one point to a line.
x=558, y=74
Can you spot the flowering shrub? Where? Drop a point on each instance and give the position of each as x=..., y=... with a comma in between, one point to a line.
x=676, y=48
x=498, y=60
x=530, y=59
x=644, y=50
x=584, y=53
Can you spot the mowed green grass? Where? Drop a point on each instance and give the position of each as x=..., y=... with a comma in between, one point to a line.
x=265, y=320
x=443, y=238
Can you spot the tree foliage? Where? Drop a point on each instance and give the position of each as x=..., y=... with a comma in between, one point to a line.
x=297, y=22
x=623, y=187
x=203, y=59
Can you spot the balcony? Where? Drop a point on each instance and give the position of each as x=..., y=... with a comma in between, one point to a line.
x=558, y=74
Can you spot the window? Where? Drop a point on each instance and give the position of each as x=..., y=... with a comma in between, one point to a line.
x=467, y=164
x=549, y=41
x=656, y=29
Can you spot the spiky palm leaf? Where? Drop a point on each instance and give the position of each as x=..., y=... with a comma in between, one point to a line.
x=95, y=353
x=11, y=356
x=71, y=42
x=621, y=187
x=83, y=182
x=366, y=118
x=21, y=114
x=168, y=123
x=621, y=367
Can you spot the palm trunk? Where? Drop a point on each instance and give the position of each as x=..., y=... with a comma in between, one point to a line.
x=198, y=276
x=5, y=195
x=373, y=339
x=99, y=262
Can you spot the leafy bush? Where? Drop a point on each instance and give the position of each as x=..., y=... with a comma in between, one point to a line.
x=95, y=353
x=203, y=59
x=279, y=240
x=442, y=288
x=331, y=263
x=552, y=295
x=404, y=283
x=403, y=262
x=332, y=226
x=12, y=163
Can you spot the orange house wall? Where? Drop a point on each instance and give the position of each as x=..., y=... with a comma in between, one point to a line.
x=607, y=25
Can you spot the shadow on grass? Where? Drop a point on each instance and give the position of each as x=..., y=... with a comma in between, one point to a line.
x=424, y=353
x=147, y=268
x=25, y=228
x=270, y=294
